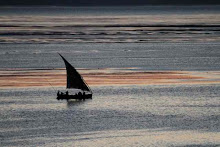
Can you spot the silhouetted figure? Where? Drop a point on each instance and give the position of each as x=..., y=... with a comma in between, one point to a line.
x=80, y=95
x=67, y=93
x=62, y=93
x=58, y=93
x=83, y=96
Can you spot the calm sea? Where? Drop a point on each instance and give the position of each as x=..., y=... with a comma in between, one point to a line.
x=146, y=38
x=144, y=56
x=141, y=24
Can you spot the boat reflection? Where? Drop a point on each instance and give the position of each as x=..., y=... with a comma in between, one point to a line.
x=73, y=103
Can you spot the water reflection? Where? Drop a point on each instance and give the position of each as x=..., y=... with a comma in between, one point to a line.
x=73, y=103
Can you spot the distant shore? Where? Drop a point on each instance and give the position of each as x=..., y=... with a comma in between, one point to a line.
x=12, y=78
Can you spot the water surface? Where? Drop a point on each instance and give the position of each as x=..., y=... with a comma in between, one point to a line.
x=169, y=39
x=34, y=117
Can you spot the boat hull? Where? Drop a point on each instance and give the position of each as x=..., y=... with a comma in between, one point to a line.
x=76, y=97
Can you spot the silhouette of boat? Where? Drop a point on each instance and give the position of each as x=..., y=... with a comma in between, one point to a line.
x=74, y=81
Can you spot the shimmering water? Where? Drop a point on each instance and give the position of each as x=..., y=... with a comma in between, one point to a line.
x=33, y=117
x=141, y=24
x=146, y=38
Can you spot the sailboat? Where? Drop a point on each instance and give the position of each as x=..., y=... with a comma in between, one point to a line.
x=74, y=81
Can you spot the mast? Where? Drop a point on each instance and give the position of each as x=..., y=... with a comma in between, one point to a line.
x=74, y=79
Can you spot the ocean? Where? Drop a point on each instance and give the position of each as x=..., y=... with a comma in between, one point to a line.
x=140, y=24
x=154, y=72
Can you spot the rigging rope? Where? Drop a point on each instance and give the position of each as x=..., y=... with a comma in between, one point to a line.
x=51, y=85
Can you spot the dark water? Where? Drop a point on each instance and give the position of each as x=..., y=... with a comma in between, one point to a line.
x=114, y=10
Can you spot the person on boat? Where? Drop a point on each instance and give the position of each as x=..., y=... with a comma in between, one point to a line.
x=83, y=96
x=67, y=93
x=58, y=93
x=62, y=93
x=80, y=95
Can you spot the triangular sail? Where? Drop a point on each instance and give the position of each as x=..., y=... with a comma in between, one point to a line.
x=74, y=80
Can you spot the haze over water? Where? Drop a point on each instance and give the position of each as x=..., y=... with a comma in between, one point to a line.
x=154, y=72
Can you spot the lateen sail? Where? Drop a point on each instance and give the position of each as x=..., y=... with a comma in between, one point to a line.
x=74, y=80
